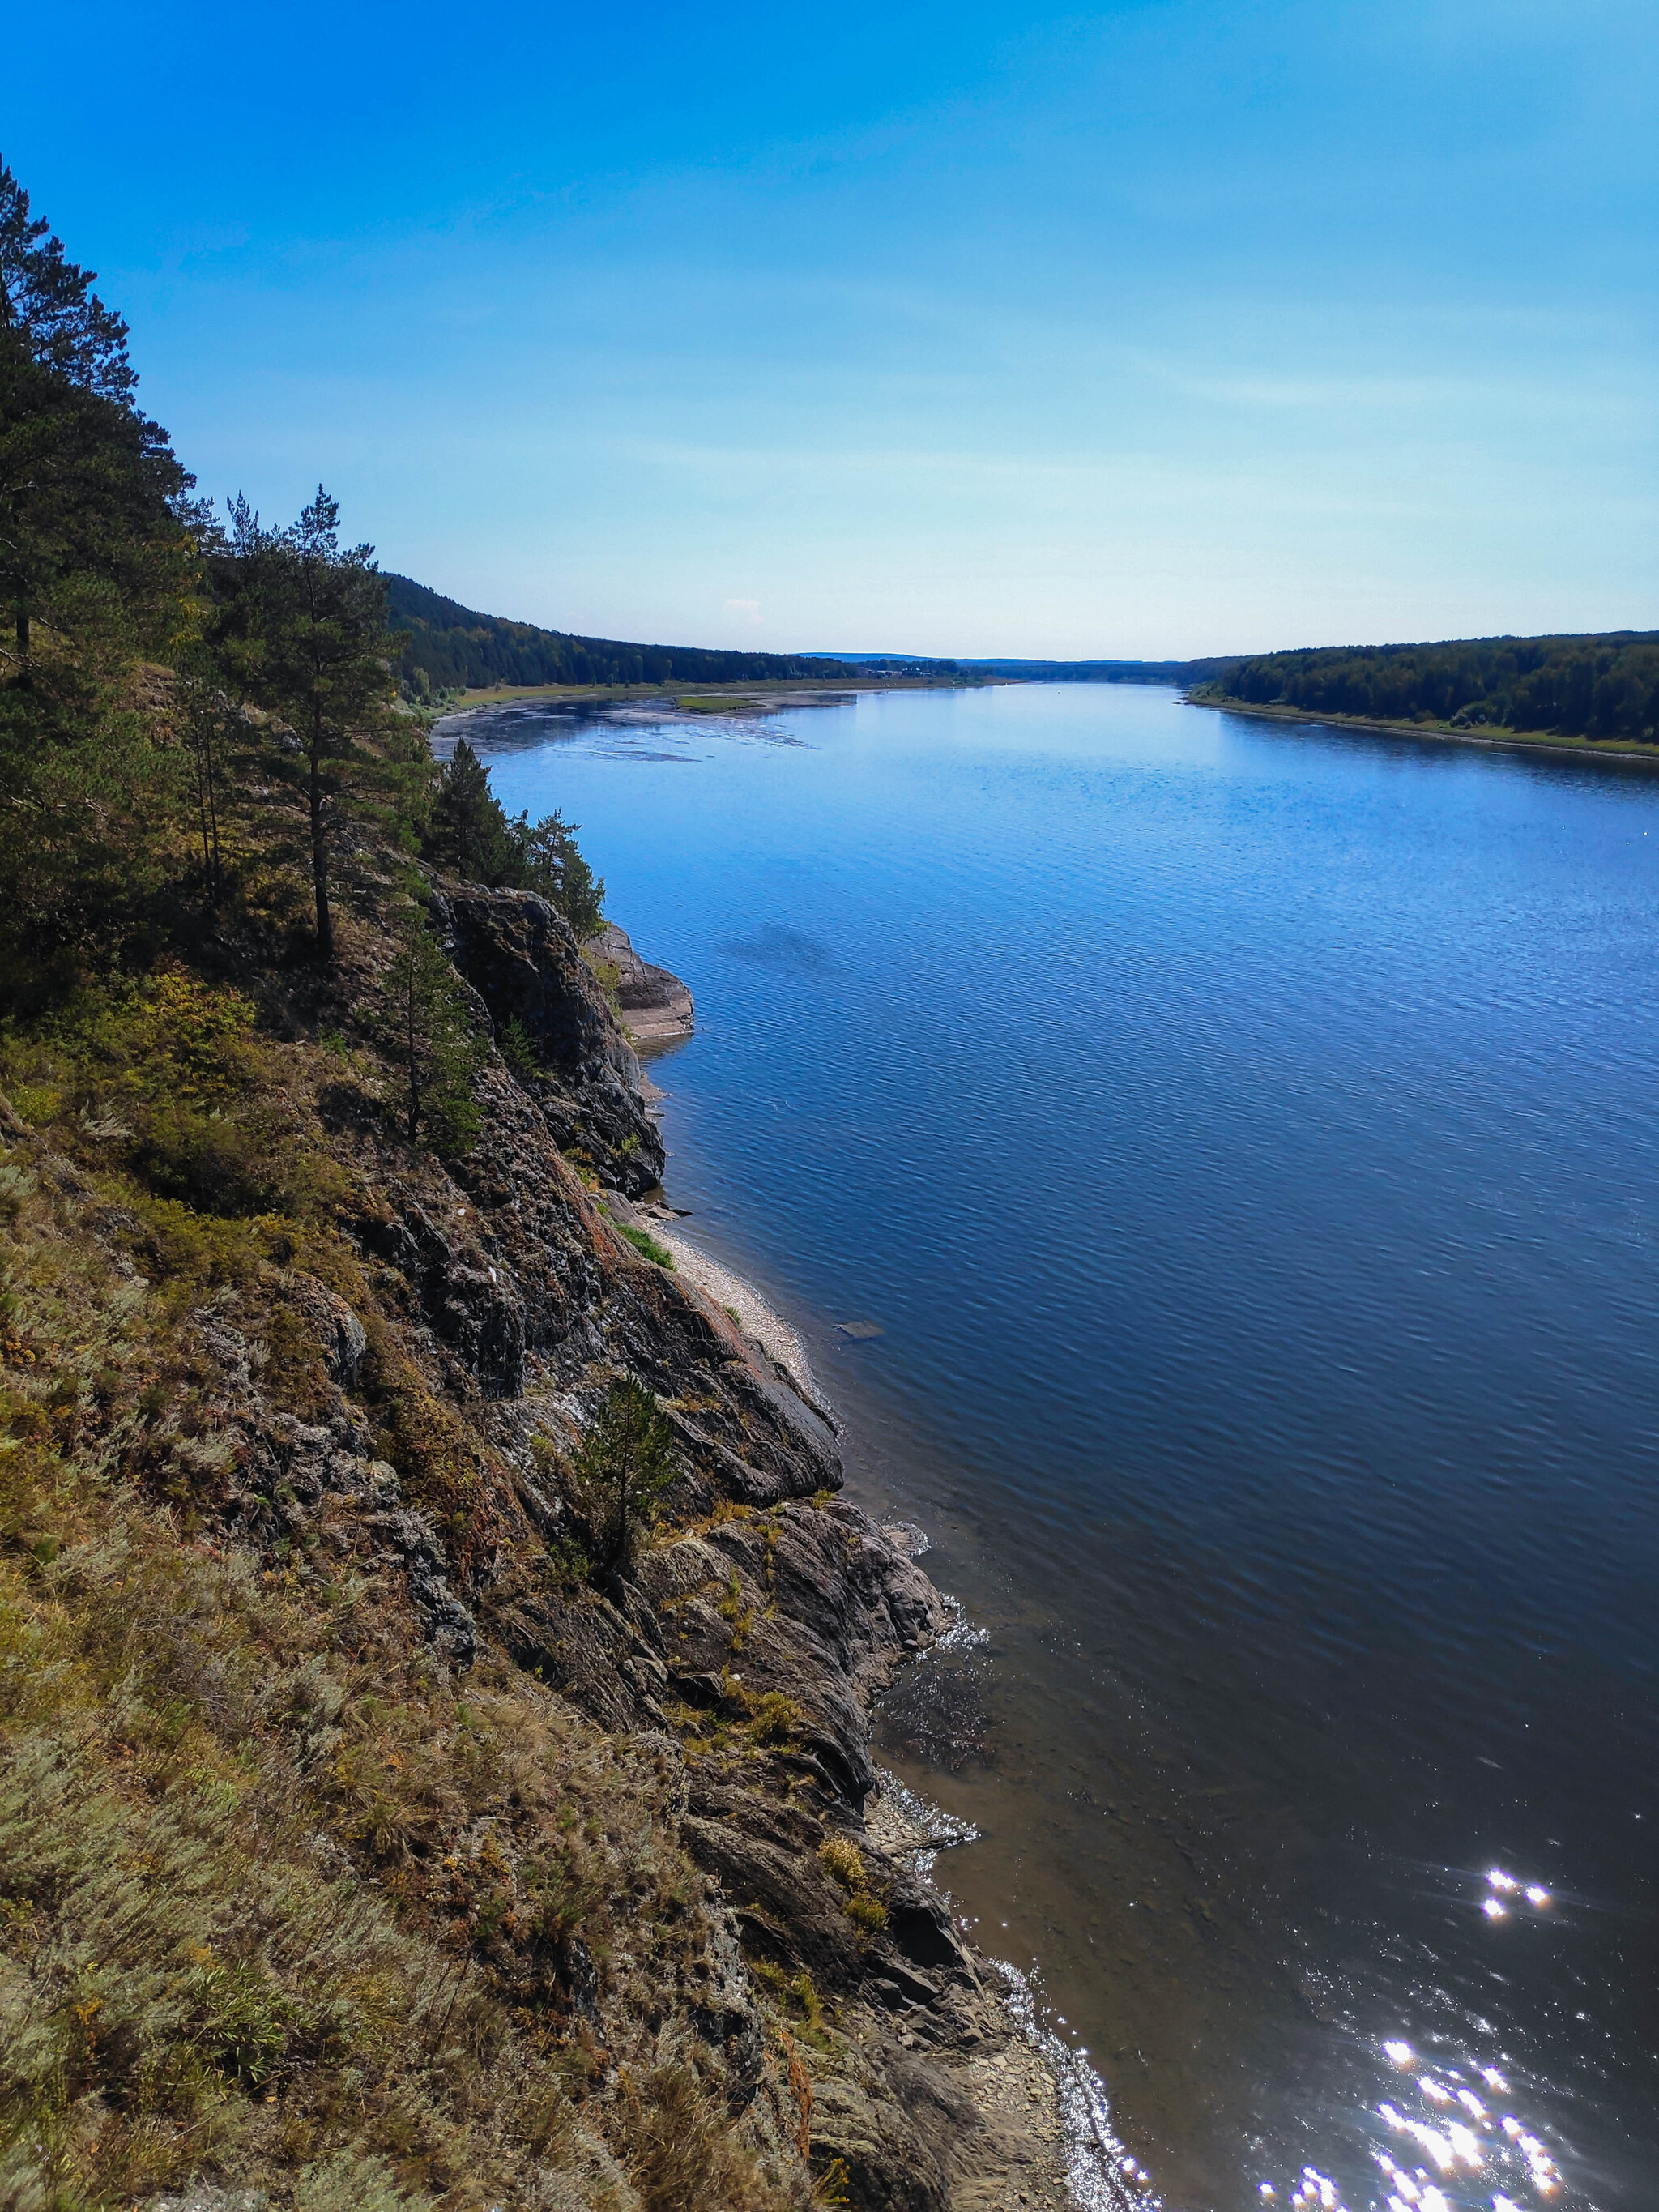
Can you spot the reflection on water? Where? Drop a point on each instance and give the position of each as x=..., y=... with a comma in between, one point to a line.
x=1489, y=2142
x=1236, y=1144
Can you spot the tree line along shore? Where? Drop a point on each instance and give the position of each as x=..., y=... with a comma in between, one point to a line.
x=1598, y=690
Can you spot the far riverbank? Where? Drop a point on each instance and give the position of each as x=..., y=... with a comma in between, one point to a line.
x=765, y=694
x=1620, y=751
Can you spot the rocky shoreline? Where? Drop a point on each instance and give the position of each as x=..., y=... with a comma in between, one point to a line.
x=862, y=2042
x=938, y=2096
x=655, y=1007
x=560, y=1881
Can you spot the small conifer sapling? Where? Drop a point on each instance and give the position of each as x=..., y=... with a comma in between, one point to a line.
x=424, y=1026
x=629, y=1459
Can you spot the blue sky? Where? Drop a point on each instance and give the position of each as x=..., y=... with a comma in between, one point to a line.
x=1154, y=328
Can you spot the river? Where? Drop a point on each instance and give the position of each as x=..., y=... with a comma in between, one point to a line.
x=1243, y=1137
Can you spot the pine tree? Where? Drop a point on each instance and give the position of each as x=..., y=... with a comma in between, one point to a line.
x=628, y=1458
x=303, y=628
x=45, y=295
x=92, y=498
x=551, y=863
x=469, y=833
x=98, y=569
x=205, y=720
x=425, y=1027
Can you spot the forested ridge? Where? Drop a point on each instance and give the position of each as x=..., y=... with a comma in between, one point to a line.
x=1603, y=688
x=450, y=647
x=1104, y=671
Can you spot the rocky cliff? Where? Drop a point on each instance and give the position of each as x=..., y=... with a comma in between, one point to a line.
x=455, y=1870
x=542, y=998
x=655, y=1007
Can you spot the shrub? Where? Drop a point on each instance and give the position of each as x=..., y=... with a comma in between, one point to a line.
x=353, y=2180
x=776, y=1719
x=425, y=1025
x=628, y=1460
x=681, y=2157
x=518, y=1049
x=843, y=1862
x=644, y=1243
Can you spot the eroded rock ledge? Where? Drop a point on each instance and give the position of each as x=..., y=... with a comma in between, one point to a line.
x=656, y=1007
x=754, y=1641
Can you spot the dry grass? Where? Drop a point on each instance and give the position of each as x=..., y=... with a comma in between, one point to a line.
x=281, y=1899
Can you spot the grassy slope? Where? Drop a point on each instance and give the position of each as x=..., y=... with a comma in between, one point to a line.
x=280, y=1895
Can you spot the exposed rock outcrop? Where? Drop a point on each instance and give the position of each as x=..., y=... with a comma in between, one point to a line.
x=407, y=1434
x=550, y=1016
x=656, y=1007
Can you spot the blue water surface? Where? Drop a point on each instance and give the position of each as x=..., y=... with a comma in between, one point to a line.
x=1247, y=1139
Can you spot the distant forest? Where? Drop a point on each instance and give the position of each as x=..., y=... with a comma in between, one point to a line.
x=1106, y=672
x=1599, y=687
x=450, y=647
x=1038, y=672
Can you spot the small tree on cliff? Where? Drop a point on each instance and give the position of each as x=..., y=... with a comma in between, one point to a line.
x=552, y=864
x=424, y=1026
x=468, y=832
x=629, y=1459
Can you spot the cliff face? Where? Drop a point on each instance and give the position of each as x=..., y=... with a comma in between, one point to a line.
x=474, y=1874
x=542, y=998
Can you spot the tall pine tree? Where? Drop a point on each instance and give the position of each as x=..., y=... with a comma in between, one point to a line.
x=98, y=569
x=91, y=494
x=303, y=629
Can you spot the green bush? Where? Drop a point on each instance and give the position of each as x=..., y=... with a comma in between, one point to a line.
x=644, y=1243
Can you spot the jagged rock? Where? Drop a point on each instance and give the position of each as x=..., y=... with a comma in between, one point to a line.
x=340, y=1335
x=525, y=963
x=656, y=1007
x=755, y=1634
x=727, y=2015
x=790, y=1910
x=287, y=1470
x=576, y=1641
x=920, y=1927
x=890, y=2164
x=469, y=1307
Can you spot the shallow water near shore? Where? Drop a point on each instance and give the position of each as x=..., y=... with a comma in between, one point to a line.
x=1246, y=1139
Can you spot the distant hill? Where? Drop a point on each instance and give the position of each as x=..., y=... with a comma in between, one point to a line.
x=1600, y=686
x=451, y=647
x=1037, y=671
x=1106, y=671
